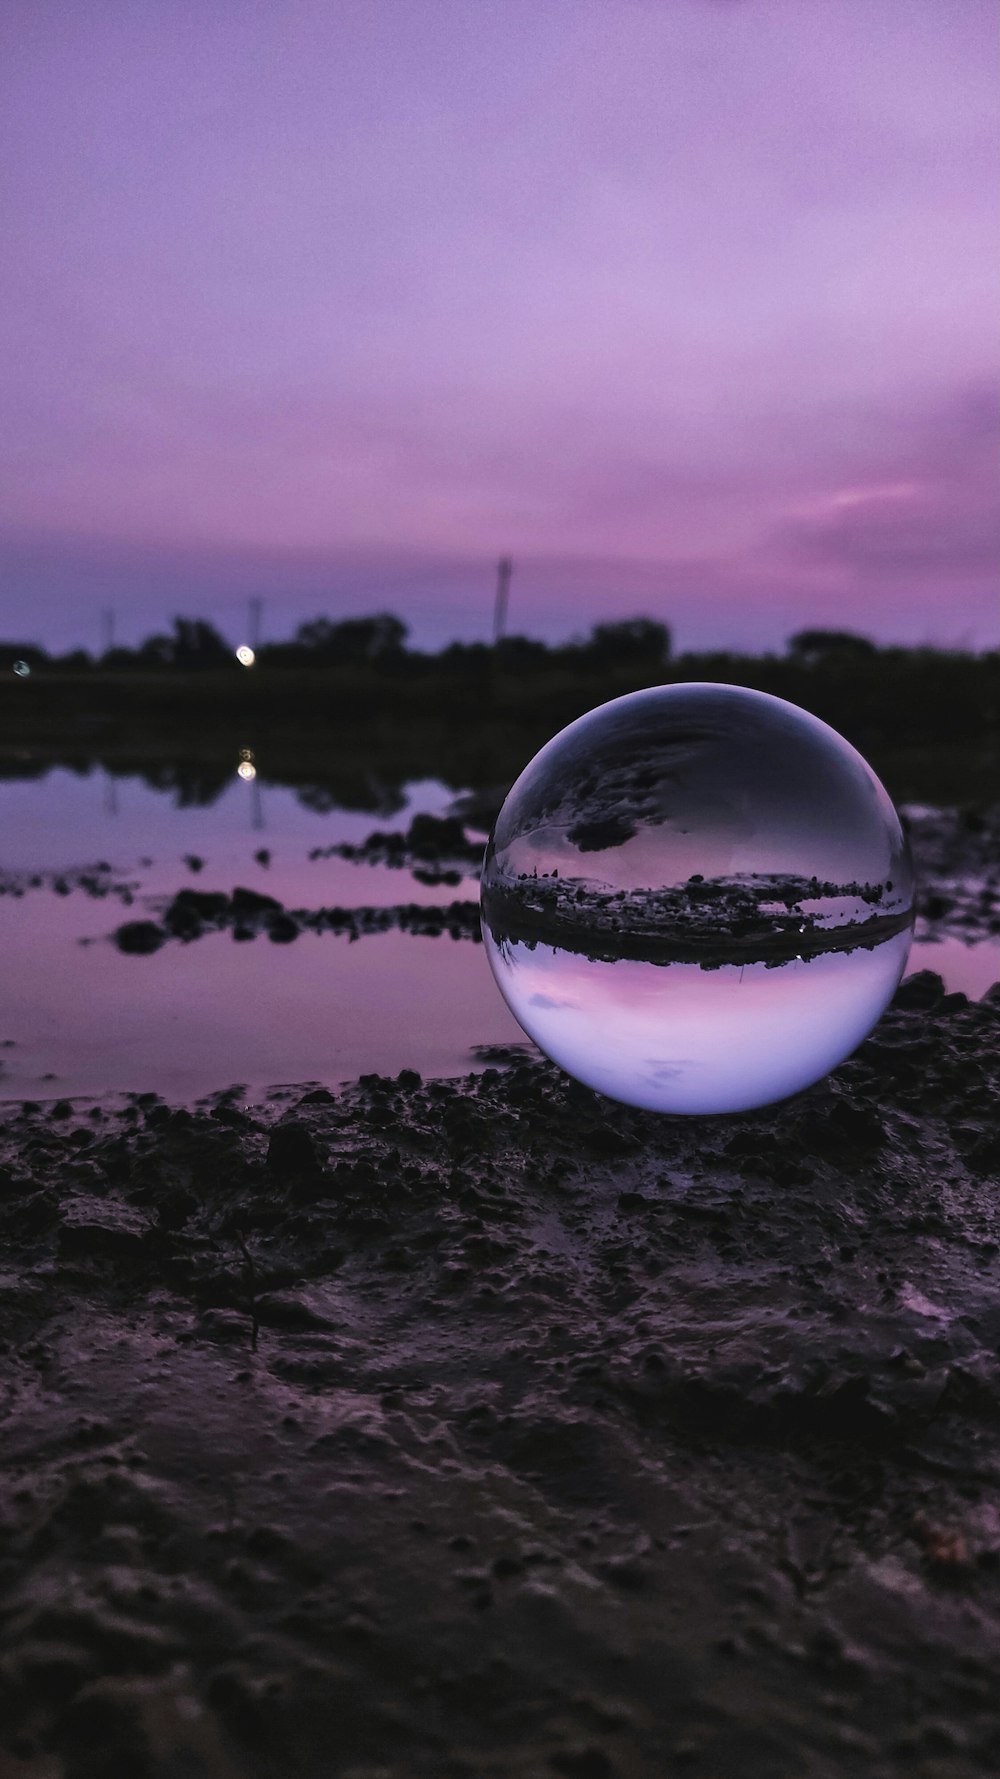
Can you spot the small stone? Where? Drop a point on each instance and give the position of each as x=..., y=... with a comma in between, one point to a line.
x=139, y=938
x=102, y=1234
x=953, y=1003
x=282, y=929
x=919, y=992
x=291, y=1149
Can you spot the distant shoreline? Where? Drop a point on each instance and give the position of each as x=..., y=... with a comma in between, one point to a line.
x=924, y=720
x=511, y=920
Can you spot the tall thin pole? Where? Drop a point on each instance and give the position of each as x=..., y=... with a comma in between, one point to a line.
x=505, y=569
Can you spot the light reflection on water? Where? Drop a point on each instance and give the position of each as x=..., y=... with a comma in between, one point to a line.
x=965, y=969
x=69, y=819
x=195, y=1018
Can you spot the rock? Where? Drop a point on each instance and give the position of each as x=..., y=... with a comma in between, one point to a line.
x=139, y=937
x=249, y=902
x=294, y=1309
x=920, y=992
x=282, y=929
x=953, y=1003
x=101, y=1232
x=291, y=1149
x=191, y=910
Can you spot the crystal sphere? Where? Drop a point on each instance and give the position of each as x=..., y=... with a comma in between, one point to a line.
x=697, y=898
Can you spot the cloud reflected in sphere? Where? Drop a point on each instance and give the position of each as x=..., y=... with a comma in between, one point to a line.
x=697, y=899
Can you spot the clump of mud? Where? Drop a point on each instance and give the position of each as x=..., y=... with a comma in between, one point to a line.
x=435, y=848
x=486, y=1428
x=247, y=914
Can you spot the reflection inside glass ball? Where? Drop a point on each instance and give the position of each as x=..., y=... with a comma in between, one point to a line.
x=697, y=898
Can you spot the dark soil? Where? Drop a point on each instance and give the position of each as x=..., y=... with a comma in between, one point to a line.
x=486, y=1428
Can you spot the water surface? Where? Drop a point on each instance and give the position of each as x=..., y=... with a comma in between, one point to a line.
x=82, y=1018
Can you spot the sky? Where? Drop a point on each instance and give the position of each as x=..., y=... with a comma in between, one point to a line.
x=686, y=305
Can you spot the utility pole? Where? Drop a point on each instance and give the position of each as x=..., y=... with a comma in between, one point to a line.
x=505, y=568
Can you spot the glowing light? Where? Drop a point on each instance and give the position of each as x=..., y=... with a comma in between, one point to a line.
x=245, y=655
x=247, y=770
x=22, y=669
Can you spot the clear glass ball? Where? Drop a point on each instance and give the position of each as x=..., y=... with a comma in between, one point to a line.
x=697, y=898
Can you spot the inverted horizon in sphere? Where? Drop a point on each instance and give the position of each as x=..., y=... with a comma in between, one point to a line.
x=697, y=898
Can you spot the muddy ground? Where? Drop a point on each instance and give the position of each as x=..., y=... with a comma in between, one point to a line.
x=486, y=1428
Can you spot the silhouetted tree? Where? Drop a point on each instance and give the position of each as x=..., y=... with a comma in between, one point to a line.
x=354, y=641
x=815, y=647
x=196, y=643
x=521, y=651
x=29, y=652
x=156, y=651
x=634, y=642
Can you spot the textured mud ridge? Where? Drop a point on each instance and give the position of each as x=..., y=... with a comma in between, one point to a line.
x=486, y=1428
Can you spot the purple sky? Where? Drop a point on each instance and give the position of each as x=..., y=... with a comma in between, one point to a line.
x=690, y=307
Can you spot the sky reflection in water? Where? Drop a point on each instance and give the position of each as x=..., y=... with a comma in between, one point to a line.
x=677, y=1038
x=86, y=1019
x=83, y=1018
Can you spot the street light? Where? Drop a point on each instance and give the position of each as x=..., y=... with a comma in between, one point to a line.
x=245, y=655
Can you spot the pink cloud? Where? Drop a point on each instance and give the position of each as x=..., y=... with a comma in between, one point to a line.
x=674, y=294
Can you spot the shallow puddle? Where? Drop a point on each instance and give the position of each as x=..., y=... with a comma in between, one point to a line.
x=79, y=1017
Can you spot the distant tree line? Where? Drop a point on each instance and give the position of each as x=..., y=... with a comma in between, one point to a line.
x=638, y=649
x=380, y=641
x=353, y=690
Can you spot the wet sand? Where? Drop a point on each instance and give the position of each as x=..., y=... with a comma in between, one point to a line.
x=487, y=1428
